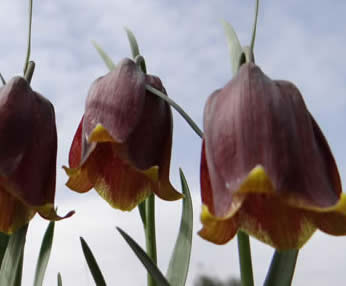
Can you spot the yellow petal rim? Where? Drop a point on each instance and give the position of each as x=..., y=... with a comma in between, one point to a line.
x=287, y=222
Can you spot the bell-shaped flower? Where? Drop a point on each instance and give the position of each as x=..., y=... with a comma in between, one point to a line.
x=266, y=167
x=28, y=149
x=122, y=146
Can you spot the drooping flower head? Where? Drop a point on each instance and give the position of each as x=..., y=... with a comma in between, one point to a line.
x=266, y=167
x=28, y=149
x=122, y=147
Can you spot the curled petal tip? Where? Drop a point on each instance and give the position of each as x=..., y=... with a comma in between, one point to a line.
x=78, y=179
x=169, y=193
x=49, y=212
x=218, y=231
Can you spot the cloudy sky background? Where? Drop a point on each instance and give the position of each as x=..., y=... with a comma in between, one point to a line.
x=183, y=42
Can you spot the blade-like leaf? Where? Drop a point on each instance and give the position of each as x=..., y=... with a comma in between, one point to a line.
x=59, y=279
x=133, y=42
x=282, y=268
x=43, y=258
x=93, y=266
x=134, y=47
x=180, y=260
x=18, y=281
x=11, y=266
x=145, y=259
x=3, y=245
x=107, y=60
x=234, y=46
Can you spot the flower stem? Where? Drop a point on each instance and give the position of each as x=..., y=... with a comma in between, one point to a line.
x=177, y=108
x=150, y=236
x=28, y=51
x=282, y=268
x=245, y=259
x=29, y=71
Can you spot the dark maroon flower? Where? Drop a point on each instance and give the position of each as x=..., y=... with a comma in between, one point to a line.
x=266, y=167
x=28, y=148
x=122, y=146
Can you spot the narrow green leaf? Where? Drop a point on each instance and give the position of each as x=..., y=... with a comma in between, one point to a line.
x=133, y=43
x=59, y=279
x=177, y=107
x=234, y=46
x=145, y=259
x=107, y=60
x=134, y=47
x=18, y=281
x=3, y=245
x=11, y=266
x=180, y=260
x=93, y=266
x=282, y=268
x=141, y=208
x=43, y=258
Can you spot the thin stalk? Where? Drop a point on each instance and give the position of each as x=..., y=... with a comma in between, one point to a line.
x=28, y=50
x=282, y=268
x=245, y=259
x=150, y=233
x=254, y=28
x=177, y=108
x=29, y=71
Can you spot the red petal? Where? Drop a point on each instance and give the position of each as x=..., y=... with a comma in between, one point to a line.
x=215, y=230
x=14, y=214
x=206, y=191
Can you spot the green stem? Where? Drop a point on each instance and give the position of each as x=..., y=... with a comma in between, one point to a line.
x=245, y=259
x=28, y=51
x=282, y=268
x=177, y=108
x=150, y=235
x=29, y=71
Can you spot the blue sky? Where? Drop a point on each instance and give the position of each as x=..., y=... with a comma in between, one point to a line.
x=183, y=42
